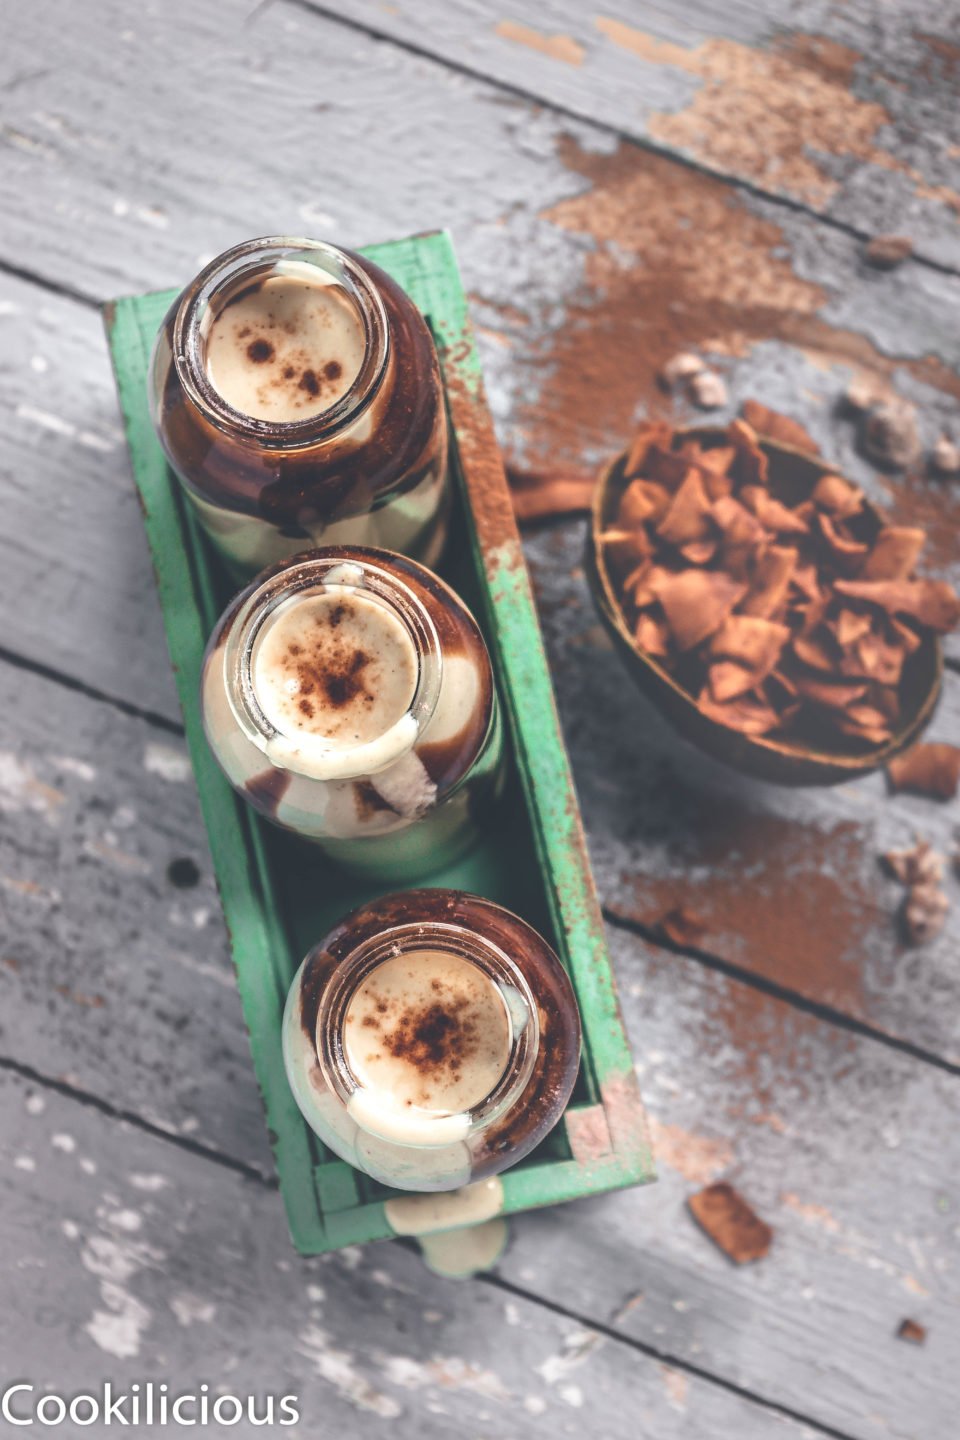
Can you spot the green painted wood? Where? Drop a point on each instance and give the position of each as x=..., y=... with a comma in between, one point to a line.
x=536, y=863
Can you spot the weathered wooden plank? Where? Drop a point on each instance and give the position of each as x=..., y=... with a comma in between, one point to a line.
x=850, y=110
x=843, y=1144
x=836, y=1141
x=128, y=1259
x=114, y=978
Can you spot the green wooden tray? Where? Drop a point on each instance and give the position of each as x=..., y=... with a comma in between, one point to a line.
x=279, y=895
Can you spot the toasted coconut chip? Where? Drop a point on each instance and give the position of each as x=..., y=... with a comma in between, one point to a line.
x=651, y=635
x=919, y=865
x=932, y=602
x=728, y=680
x=806, y=580
x=847, y=552
x=751, y=641
x=625, y=549
x=874, y=658
x=646, y=585
x=650, y=433
x=665, y=466
x=849, y=626
x=932, y=769
x=812, y=614
x=699, y=552
x=717, y=458
x=831, y=695
x=539, y=494
x=885, y=699
x=775, y=568
x=688, y=518
x=749, y=716
x=925, y=912
x=682, y=925
x=641, y=501
x=837, y=496
x=817, y=652
x=750, y=464
x=908, y=638
x=894, y=553
x=696, y=603
x=866, y=722
x=736, y=522
x=781, y=681
x=770, y=512
x=713, y=465
x=778, y=427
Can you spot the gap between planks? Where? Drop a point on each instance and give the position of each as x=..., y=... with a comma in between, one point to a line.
x=496, y=1282
x=570, y=112
x=776, y=991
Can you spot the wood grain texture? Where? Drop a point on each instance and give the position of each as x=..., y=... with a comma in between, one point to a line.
x=128, y=1259
x=848, y=110
x=120, y=985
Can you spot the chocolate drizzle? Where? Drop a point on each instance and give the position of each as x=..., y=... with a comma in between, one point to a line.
x=266, y=790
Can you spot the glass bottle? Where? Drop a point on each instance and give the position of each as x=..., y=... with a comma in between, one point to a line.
x=431, y=1039
x=296, y=392
x=348, y=696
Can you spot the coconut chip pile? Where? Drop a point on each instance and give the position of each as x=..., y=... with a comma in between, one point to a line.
x=780, y=614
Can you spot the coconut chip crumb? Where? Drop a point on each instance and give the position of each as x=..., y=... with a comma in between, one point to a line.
x=926, y=906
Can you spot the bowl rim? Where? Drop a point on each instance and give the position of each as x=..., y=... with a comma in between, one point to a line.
x=855, y=764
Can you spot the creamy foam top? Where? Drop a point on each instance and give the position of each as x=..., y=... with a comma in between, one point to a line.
x=428, y=1029
x=285, y=348
x=336, y=665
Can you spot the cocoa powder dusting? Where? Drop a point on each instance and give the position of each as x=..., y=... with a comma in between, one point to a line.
x=435, y=1039
x=260, y=352
x=726, y=288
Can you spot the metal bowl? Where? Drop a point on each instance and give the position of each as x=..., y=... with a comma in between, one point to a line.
x=785, y=760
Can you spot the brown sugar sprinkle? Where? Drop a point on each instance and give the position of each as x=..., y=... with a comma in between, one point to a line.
x=776, y=615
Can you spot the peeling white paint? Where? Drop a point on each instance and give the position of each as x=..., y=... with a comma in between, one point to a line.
x=338, y=1369
x=128, y=1220
x=190, y=1309
x=34, y=1104
x=25, y=1162
x=149, y=1183
x=576, y=1347
x=118, y=1329
x=20, y=789
x=66, y=1143
x=80, y=768
x=167, y=762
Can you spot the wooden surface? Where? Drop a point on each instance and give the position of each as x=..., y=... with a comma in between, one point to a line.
x=800, y=1050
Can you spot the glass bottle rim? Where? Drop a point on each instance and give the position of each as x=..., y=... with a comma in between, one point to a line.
x=454, y=939
x=244, y=262
x=303, y=757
